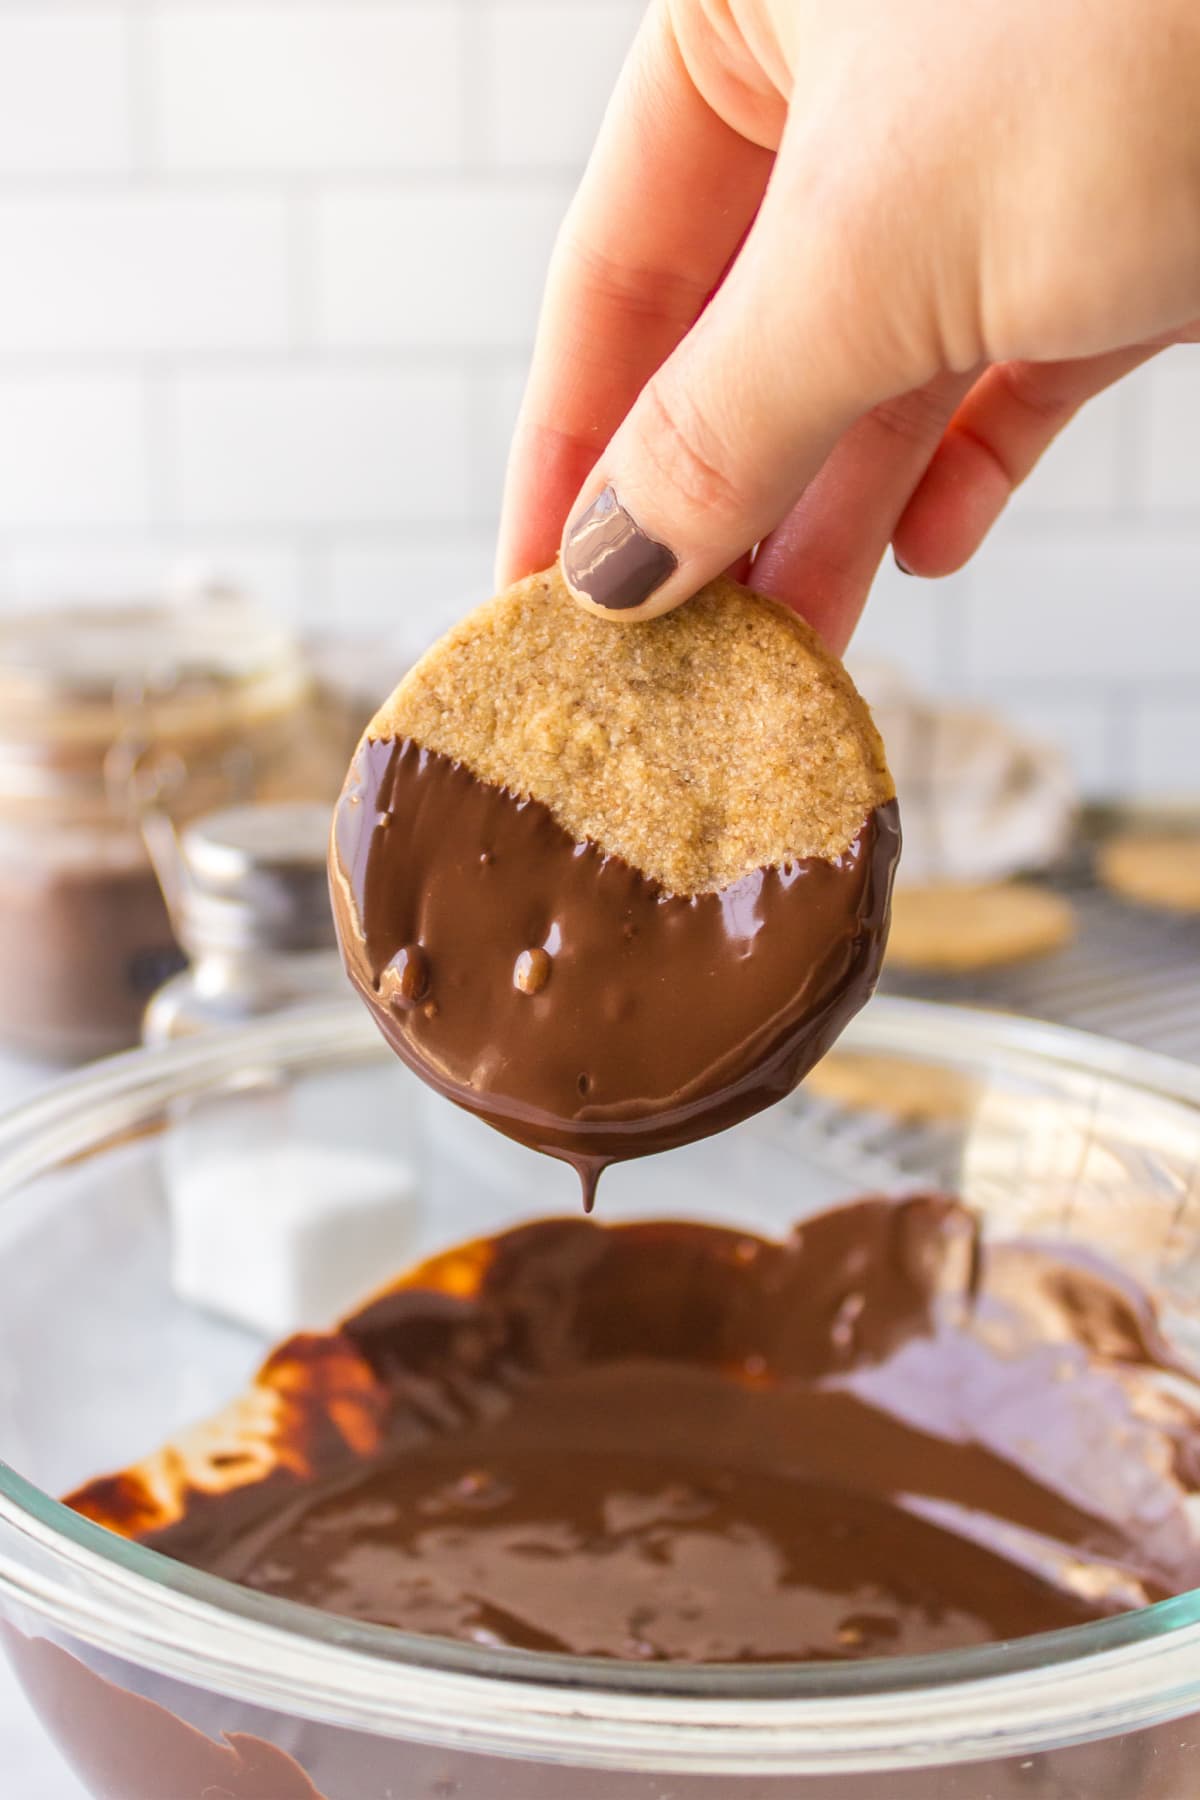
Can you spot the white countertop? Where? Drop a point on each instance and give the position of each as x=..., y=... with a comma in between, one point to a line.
x=33, y=1769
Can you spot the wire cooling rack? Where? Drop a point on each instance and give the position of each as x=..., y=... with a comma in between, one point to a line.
x=1130, y=972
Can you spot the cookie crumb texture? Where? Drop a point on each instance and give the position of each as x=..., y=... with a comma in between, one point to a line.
x=698, y=747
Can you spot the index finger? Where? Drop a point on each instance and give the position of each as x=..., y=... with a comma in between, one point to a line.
x=666, y=199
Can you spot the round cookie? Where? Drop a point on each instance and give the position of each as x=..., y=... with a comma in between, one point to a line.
x=911, y=1093
x=1161, y=870
x=959, y=930
x=616, y=886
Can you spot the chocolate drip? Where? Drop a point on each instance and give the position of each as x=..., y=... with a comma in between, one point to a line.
x=568, y=999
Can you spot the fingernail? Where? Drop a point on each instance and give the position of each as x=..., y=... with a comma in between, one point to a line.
x=900, y=564
x=610, y=560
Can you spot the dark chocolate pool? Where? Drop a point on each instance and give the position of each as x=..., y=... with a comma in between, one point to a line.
x=677, y=1442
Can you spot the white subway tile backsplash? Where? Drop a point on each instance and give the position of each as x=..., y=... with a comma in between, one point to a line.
x=412, y=591
x=138, y=566
x=905, y=627
x=433, y=269
x=319, y=447
x=72, y=451
x=317, y=87
x=143, y=272
x=1165, y=742
x=550, y=70
x=1101, y=607
x=1171, y=470
x=1083, y=470
x=65, y=104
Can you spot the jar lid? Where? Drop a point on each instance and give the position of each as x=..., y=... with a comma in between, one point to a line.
x=163, y=669
x=254, y=877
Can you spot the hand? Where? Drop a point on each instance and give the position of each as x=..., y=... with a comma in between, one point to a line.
x=836, y=276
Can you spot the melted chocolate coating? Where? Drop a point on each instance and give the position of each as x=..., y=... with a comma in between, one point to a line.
x=674, y=1441
x=568, y=999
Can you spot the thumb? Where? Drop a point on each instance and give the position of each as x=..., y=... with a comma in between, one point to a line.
x=723, y=439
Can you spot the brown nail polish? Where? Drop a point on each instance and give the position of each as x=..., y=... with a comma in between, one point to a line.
x=609, y=559
x=902, y=566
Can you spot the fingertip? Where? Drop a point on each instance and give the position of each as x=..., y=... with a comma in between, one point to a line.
x=612, y=565
x=957, y=501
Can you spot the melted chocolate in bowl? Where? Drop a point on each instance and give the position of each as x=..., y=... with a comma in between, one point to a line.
x=568, y=999
x=674, y=1441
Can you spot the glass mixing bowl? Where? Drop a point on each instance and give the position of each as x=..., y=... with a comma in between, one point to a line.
x=161, y=1683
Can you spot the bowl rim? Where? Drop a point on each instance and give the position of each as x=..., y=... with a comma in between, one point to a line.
x=62, y=1573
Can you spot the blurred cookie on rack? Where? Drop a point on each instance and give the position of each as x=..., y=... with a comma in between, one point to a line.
x=1159, y=869
x=982, y=805
x=955, y=929
x=908, y=1092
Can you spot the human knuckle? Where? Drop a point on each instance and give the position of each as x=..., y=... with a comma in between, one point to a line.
x=1026, y=387
x=645, y=292
x=911, y=418
x=688, y=453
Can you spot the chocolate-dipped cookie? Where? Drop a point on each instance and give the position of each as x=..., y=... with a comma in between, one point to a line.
x=613, y=888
